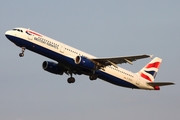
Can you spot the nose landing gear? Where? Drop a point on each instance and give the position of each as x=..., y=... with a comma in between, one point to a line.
x=22, y=53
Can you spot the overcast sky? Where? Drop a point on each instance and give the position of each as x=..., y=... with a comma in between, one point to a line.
x=103, y=28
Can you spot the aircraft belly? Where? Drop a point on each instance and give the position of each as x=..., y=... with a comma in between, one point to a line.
x=114, y=80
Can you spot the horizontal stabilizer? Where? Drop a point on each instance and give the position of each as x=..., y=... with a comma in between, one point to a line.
x=160, y=83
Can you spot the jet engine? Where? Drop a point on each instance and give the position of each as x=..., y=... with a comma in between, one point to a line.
x=85, y=62
x=52, y=67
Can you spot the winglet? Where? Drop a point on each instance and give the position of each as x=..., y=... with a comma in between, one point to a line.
x=151, y=56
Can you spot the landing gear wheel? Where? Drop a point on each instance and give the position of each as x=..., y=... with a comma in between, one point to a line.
x=71, y=80
x=21, y=54
x=92, y=77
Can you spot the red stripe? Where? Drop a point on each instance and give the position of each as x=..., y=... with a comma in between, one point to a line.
x=153, y=65
x=33, y=33
x=145, y=76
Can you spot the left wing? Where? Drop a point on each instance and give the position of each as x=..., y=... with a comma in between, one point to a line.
x=119, y=60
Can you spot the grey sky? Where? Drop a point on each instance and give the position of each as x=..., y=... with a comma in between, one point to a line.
x=102, y=28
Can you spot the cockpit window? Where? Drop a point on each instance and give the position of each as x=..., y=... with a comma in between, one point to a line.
x=18, y=30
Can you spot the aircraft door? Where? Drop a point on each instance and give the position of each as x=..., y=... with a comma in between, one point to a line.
x=62, y=48
x=30, y=37
x=138, y=81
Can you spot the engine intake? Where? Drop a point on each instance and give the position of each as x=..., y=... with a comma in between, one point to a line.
x=85, y=62
x=52, y=67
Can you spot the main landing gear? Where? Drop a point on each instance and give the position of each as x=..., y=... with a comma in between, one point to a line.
x=71, y=79
x=93, y=77
x=22, y=53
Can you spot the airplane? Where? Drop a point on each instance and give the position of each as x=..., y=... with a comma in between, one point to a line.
x=72, y=61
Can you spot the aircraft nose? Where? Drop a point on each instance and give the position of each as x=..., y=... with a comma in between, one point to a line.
x=7, y=34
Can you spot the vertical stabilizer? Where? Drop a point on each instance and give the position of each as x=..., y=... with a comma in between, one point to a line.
x=150, y=70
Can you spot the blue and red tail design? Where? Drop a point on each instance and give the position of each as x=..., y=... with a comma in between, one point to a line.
x=150, y=70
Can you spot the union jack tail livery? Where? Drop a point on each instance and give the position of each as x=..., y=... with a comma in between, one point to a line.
x=150, y=70
x=148, y=73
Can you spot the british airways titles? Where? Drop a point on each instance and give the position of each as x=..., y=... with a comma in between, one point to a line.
x=44, y=41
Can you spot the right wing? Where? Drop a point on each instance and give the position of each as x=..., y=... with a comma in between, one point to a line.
x=119, y=60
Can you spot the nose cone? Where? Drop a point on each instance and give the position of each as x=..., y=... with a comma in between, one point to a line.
x=8, y=34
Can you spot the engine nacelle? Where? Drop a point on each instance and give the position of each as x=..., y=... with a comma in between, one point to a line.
x=52, y=67
x=85, y=62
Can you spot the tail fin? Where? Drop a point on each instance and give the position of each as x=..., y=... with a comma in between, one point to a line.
x=150, y=70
